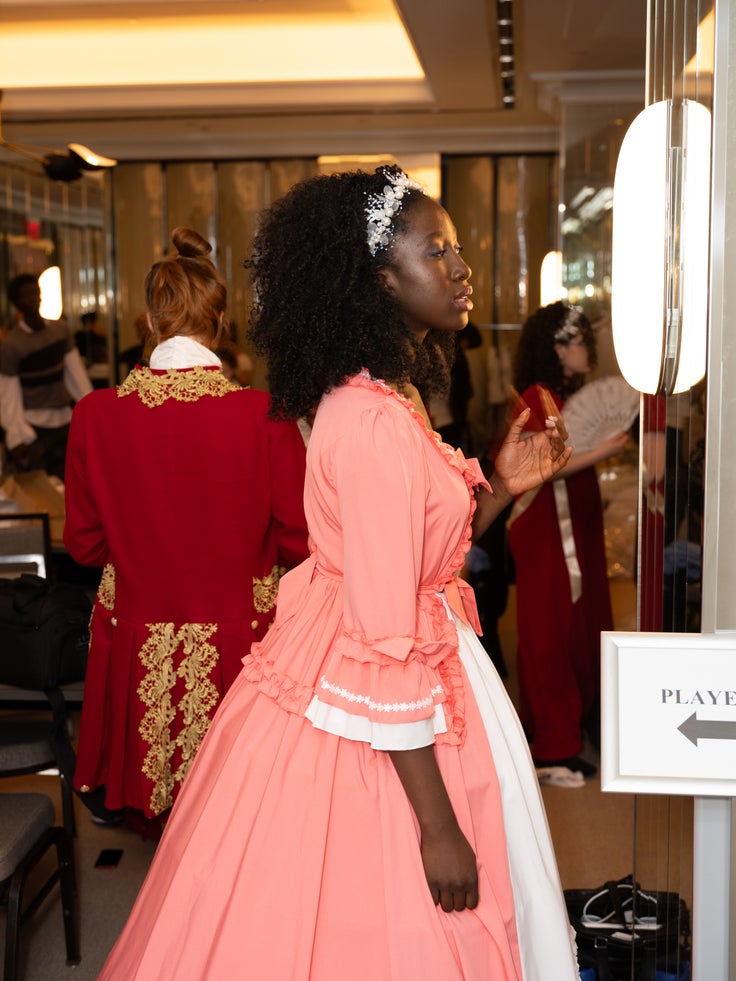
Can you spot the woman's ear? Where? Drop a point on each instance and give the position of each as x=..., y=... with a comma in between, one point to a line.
x=387, y=279
x=149, y=322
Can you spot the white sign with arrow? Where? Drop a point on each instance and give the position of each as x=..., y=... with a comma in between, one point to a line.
x=668, y=708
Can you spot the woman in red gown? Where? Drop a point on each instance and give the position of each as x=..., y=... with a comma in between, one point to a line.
x=556, y=539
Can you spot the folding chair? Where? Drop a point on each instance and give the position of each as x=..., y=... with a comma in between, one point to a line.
x=27, y=833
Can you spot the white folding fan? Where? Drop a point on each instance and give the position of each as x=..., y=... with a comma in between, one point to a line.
x=598, y=410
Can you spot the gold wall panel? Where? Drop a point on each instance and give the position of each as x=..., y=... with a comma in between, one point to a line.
x=140, y=238
x=191, y=197
x=503, y=208
x=469, y=193
x=283, y=174
x=524, y=234
x=241, y=195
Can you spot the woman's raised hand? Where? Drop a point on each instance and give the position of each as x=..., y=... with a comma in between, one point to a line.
x=526, y=461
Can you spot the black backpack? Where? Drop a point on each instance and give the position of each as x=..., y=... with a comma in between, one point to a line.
x=44, y=632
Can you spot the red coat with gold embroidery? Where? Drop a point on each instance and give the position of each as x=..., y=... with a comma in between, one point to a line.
x=191, y=499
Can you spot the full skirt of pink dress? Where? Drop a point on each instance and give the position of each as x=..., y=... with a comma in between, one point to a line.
x=302, y=862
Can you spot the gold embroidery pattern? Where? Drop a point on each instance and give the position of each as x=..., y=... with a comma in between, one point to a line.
x=106, y=589
x=155, y=691
x=183, y=386
x=264, y=590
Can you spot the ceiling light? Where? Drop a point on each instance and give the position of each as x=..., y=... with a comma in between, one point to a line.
x=51, y=302
x=661, y=229
x=60, y=166
x=550, y=279
x=57, y=165
x=88, y=159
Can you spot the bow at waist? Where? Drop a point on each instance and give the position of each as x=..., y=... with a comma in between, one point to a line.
x=461, y=600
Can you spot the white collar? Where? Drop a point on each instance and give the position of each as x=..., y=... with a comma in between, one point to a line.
x=182, y=352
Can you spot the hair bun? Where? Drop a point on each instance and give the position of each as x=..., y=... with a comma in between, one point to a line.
x=189, y=243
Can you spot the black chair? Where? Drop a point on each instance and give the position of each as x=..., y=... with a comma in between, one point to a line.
x=27, y=834
x=32, y=741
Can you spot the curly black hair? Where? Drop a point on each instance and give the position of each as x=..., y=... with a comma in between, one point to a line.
x=320, y=311
x=536, y=361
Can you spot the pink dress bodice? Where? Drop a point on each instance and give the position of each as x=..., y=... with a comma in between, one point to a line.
x=389, y=507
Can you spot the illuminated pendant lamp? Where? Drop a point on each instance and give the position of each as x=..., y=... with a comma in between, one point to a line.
x=59, y=166
x=661, y=231
x=51, y=301
x=550, y=279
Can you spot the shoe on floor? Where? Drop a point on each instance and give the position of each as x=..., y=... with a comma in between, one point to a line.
x=575, y=763
x=559, y=776
x=110, y=818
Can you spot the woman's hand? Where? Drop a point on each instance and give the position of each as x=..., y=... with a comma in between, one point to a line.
x=523, y=463
x=451, y=870
x=612, y=446
x=526, y=461
x=449, y=861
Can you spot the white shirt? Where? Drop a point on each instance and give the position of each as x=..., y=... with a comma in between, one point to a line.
x=182, y=352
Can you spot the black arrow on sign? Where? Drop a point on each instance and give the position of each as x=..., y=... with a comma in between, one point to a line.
x=695, y=729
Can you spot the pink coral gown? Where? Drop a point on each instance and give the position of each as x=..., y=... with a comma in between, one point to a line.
x=292, y=853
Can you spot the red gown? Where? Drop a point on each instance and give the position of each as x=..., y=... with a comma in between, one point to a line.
x=651, y=573
x=561, y=608
x=191, y=499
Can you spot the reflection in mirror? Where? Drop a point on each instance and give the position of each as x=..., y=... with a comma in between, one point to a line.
x=45, y=224
x=670, y=432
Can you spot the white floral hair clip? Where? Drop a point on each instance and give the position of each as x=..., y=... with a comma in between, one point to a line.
x=569, y=328
x=382, y=207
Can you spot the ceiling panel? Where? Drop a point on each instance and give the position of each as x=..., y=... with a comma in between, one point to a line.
x=457, y=105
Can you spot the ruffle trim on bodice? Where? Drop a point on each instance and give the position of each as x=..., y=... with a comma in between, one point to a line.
x=283, y=689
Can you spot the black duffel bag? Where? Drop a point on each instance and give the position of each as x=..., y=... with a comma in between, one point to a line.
x=625, y=932
x=44, y=632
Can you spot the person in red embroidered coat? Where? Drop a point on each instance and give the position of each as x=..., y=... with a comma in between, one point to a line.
x=556, y=540
x=180, y=485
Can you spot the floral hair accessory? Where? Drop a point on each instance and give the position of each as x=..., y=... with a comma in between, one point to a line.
x=382, y=207
x=569, y=328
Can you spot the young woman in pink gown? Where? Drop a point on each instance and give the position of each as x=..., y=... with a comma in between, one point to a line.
x=364, y=805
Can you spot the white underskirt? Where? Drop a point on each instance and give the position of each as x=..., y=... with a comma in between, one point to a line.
x=546, y=938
